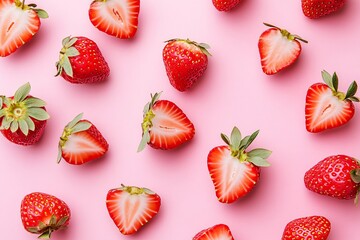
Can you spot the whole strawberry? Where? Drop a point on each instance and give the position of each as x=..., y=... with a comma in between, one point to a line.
x=278, y=49
x=225, y=5
x=81, y=61
x=22, y=117
x=313, y=227
x=43, y=214
x=320, y=8
x=335, y=176
x=19, y=22
x=81, y=142
x=185, y=62
x=233, y=170
x=326, y=107
x=217, y=232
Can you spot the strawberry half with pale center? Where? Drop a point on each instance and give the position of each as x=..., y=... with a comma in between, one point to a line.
x=185, y=62
x=313, y=227
x=278, y=49
x=225, y=5
x=81, y=61
x=132, y=207
x=43, y=214
x=22, y=117
x=165, y=125
x=217, y=232
x=81, y=142
x=335, y=176
x=233, y=170
x=118, y=18
x=18, y=24
x=320, y=8
x=328, y=108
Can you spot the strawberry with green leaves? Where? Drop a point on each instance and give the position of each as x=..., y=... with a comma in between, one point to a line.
x=335, y=176
x=81, y=142
x=217, y=232
x=313, y=227
x=234, y=170
x=81, y=61
x=22, y=117
x=43, y=214
x=319, y=8
x=19, y=22
x=326, y=107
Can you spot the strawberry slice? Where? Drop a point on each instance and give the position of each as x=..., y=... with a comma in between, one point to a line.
x=234, y=171
x=132, y=207
x=278, y=49
x=217, y=232
x=165, y=125
x=81, y=142
x=18, y=24
x=118, y=18
x=327, y=108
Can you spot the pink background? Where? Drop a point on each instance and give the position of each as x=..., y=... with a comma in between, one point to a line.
x=234, y=91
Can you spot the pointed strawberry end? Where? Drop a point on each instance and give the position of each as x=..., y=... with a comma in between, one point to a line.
x=68, y=50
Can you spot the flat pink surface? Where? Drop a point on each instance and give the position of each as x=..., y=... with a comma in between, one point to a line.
x=234, y=91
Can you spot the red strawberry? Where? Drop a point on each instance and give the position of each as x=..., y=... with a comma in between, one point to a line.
x=327, y=108
x=185, y=62
x=43, y=214
x=165, y=126
x=81, y=142
x=22, y=117
x=131, y=207
x=278, y=49
x=18, y=23
x=118, y=18
x=81, y=61
x=217, y=232
x=314, y=227
x=319, y=8
x=233, y=170
x=225, y=5
x=335, y=176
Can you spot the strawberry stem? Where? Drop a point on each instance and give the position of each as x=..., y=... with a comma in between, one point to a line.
x=286, y=33
x=23, y=4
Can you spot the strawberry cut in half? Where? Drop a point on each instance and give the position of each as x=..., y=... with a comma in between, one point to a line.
x=326, y=107
x=319, y=8
x=18, y=24
x=81, y=142
x=43, y=214
x=118, y=18
x=165, y=125
x=81, y=61
x=132, y=207
x=313, y=227
x=278, y=49
x=217, y=232
x=23, y=117
x=233, y=170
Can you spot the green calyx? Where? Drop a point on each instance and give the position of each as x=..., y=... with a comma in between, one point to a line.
x=147, y=121
x=40, y=12
x=75, y=126
x=67, y=51
x=19, y=111
x=202, y=46
x=135, y=190
x=238, y=146
x=355, y=177
x=286, y=33
x=333, y=83
x=45, y=230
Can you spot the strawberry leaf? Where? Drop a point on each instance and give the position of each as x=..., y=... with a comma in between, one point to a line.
x=65, y=41
x=67, y=66
x=81, y=126
x=38, y=114
x=41, y=13
x=259, y=152
x=225, y=139
x=327, y=79
x=144, y=140
x=14, y=126
x=235, y=138
x=34, y=102
x=22, y=92
x=59, y=156
x=72, y=52
x=30, y=123
x=62, y=221
x=6, y=122
x=1, y=102
x=258, y=161
x=71, y=42
x=351, y=90
x=46, y=234
x=335, y=82
x=24, y=127
x=354, y=99
x=146, y=108
x=53, y=220
x=355, y=175
x=74, y=121
x=248, y=140
x=33, y=229
x=2, y=113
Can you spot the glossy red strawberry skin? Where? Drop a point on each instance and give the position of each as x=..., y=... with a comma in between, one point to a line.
x=319, y=8
x=313, y=227
x=89, y=66
x=217, y=232
x=185, y=64
x=225, y=5
x=331, y=177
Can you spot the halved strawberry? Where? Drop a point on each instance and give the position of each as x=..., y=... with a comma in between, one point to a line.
x=81, y=142
x=327, y=108
x=233, y=170
x=278, y=49
x=118, y=18
x=217, y=232
x=165, y=125
x=132, y=207
x=18, y=24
